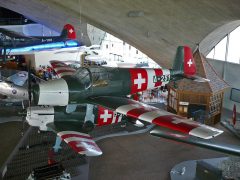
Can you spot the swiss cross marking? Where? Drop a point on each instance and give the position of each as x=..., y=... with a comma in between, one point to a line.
x=139, y=81
x=71, y=31
x=105, y=116
x=189, y=62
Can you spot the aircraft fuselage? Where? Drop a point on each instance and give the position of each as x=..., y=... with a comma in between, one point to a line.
x=40, y=116
x=98, y=81
x=13, y=92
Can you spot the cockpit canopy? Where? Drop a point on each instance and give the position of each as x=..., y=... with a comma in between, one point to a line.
x=84, y=76
x=92, y=76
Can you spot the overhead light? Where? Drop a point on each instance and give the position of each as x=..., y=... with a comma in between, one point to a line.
x=135, y=14
x=69, y=43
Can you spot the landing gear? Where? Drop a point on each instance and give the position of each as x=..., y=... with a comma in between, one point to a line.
x=87, y=126
x=89, y=114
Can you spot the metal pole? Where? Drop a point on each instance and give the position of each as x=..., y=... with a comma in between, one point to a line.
x=4, y=55
x=225, y=60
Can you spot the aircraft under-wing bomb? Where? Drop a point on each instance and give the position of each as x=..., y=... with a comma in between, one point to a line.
x=10, y=39
x=108, y=88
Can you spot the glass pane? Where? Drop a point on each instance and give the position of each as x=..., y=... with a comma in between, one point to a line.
x=84, y=77
x=233, y=48
x=211, y=54
x=220, y=49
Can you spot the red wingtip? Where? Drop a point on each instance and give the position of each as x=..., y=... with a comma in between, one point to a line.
x=234, y=114
x=189, y=63
x=71, y=34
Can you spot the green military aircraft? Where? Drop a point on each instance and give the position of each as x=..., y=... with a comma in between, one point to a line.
x=107, y=89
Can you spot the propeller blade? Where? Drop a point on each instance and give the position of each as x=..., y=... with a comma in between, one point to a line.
x=29, y=84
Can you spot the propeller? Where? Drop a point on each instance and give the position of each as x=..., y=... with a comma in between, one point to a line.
x=29, y=84
x=23, y=122
x=23, y=113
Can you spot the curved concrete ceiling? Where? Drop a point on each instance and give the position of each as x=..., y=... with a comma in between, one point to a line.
x=155, y=27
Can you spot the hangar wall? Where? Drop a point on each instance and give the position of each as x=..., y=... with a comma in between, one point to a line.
x=231, y=72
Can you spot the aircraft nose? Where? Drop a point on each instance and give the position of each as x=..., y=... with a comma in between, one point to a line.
x=53, y=93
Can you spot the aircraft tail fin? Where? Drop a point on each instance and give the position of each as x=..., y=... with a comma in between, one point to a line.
x=19, y=78
x=184, y=63
x=234, y=115
x=68, y=32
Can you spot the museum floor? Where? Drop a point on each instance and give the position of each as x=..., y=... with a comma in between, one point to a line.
x=139, y=156
x=145, y=157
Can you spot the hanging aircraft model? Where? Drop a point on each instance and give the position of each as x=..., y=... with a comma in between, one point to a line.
x=108, y=88
x=10, y=39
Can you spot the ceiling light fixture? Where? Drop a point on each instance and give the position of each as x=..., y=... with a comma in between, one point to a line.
x=135, y=14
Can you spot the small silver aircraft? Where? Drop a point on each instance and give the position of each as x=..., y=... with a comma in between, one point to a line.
x=12, y=89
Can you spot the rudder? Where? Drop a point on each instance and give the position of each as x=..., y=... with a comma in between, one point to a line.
x=68, y=32
x=184, y=63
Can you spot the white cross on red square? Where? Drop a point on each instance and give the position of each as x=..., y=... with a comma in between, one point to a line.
x=71, y=31
x=189, y=62
x=105, y=116
x=139, y=81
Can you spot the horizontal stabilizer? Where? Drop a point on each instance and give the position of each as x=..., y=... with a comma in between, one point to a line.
x=197, y=78
x=80, y=142
x=212, y=145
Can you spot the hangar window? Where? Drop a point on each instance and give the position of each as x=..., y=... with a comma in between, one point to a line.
x=219, y=51
x=228, y=48
x=233, y=47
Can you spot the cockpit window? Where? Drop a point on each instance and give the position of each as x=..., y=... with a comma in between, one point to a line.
x=83, y=74
x=100, y=76
x=98, y=73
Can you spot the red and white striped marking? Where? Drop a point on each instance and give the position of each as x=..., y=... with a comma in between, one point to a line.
x=143, y=79
x=61, y=68
x=80, y=142
x=106, y=116
x=166, y=119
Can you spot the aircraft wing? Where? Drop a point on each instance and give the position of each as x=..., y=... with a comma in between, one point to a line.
x=80, y=142
x=61, y=68
x=184, y=138
x=13, y=34
x=156, y=116
x=19, y=78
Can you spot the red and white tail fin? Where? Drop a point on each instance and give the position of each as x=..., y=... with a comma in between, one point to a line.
x=189, y=63
x=184, y=63
x=234, y=115
x=68, y=32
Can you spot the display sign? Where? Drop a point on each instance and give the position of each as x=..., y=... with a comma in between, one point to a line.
x=235, y=95
x=183, y=103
